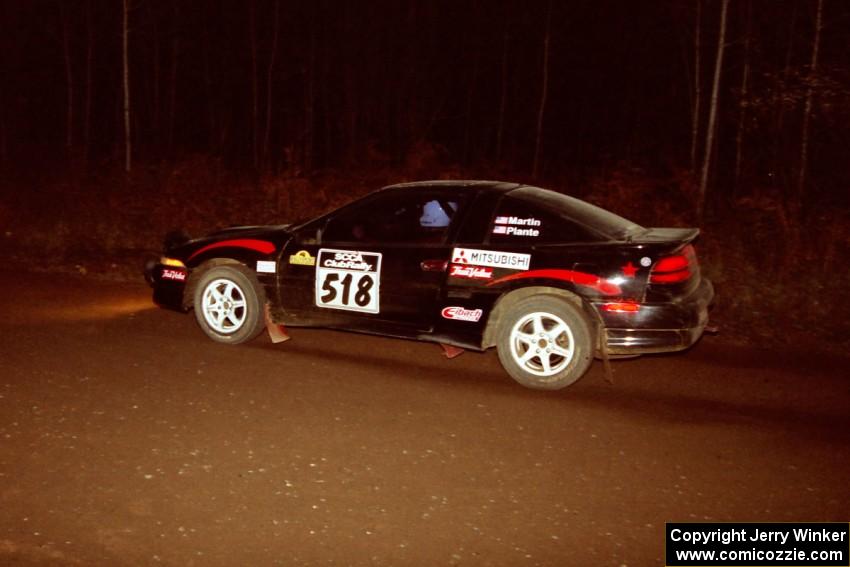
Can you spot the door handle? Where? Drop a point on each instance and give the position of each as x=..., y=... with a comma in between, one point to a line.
x=433, y=265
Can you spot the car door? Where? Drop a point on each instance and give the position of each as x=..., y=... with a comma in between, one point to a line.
x=377, y=265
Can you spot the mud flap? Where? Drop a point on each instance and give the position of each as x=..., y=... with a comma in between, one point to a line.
x=277, y=333
x=450, y=351
x=602, y=335
x=606, y=360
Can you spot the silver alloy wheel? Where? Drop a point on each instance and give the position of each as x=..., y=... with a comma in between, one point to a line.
x=542, y=344
x=223, y=306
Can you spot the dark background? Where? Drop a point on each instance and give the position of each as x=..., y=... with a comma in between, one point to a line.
x=268, y=111
x=302, y=86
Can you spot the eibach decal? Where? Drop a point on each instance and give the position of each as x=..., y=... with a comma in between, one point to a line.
x=514, y=226
x=176, y=275
x=592, y=281
x=349, y=280
x=491, y=258
x=470, y=272
x=262, y=246
x=456, y=313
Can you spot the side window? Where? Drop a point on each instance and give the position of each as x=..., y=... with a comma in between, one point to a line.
x=520, y=222
x=395, y=218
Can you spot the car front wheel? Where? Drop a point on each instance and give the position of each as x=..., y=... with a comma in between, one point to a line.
x=228, y=304
x=545, y=343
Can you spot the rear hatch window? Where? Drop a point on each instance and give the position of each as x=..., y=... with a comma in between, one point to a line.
x=605, y=225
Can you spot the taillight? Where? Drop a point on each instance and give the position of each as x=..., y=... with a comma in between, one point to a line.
x=676, y=268
x=621, y=307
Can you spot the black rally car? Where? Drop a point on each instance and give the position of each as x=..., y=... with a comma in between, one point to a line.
x=549, y=280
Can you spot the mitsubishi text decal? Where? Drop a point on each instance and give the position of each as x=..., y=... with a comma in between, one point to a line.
x=492, y=258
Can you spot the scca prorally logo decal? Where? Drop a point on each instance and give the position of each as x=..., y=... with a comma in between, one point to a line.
x=349, y=280
x=461, y=314
x=349, y=260
x=491, y=258
x=471, y=272
x=302, y=258
x=176, y=275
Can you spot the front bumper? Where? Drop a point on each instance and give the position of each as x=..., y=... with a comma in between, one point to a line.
x=659, y=327
x=168, y=283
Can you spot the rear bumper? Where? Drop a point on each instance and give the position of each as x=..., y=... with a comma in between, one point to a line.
x=659, y=327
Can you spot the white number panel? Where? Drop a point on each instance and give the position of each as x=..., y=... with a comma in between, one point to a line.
x=349, y=280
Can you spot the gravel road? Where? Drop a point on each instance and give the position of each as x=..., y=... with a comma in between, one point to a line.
x=128, y=438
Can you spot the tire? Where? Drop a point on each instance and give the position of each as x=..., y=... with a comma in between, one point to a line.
x=229, y=304
x=545, y=343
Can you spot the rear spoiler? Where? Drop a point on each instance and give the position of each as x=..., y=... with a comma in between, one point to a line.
x=666, y=235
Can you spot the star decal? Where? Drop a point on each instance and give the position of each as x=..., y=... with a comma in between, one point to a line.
x=629, y=270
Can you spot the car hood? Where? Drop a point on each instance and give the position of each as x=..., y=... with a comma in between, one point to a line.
x=180, y=244
x=254, y=231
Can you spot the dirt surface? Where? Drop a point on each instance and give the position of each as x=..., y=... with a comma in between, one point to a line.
x=130, y=439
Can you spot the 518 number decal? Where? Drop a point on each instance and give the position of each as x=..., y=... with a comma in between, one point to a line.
x=348, y=280
x=362, y=297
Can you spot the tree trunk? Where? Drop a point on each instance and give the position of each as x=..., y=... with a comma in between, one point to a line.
x=156, y=125
x=212, y=130
x=5, y=96
x=69, y=82
x=697, y=88
x=175, y=61
x=310, y=100
x=269, y=84
x=503, y=94
x=712, y=115
x=89, y=83
x=742, y=103
x=255, y=104
x=4, y=137
x=544, y=91
x=472, y=38
x=807, y=112
x=128, y=148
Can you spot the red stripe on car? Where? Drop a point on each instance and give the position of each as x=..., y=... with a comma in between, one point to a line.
x=251, y=244
x=580, y=278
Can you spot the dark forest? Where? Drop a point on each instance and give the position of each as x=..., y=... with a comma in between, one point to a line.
x=732, y=115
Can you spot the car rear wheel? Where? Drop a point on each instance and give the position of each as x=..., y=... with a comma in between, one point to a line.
x=545, y=343
x=228, y=304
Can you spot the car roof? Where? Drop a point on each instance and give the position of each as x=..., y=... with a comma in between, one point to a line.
x=495, y=186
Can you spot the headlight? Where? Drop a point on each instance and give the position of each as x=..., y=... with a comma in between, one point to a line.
x=171, y=262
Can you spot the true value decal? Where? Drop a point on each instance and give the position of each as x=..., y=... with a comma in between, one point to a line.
x=461, y=314
x=515, y=226
x=348, y=280
x=491, y=258
x=177, y=275
x=471, y=272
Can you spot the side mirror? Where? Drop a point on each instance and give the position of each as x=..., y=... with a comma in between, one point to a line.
x=309, y=236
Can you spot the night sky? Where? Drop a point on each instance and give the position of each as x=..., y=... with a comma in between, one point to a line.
x=304, y=86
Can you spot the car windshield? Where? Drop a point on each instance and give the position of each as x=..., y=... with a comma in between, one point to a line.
x=581, y=212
